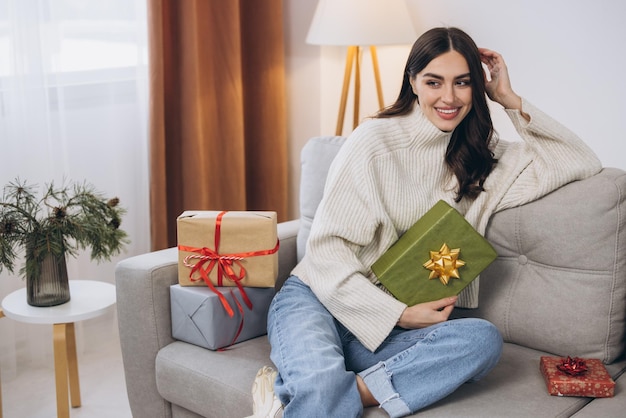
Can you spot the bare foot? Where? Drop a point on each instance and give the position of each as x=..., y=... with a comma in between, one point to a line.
x=366, y=396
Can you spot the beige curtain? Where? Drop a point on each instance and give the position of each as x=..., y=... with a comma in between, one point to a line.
x=217, y=110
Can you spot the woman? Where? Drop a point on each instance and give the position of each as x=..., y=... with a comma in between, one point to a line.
x=339, y=340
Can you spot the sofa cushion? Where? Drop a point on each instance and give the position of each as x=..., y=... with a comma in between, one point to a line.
x=211, y=383
x=607, y=407
x=516, y=386
x=559, y=282
x=218, y=384
x=315, y=159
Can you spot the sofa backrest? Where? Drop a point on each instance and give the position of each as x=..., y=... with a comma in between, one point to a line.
x=559, y=282
x=315, y=159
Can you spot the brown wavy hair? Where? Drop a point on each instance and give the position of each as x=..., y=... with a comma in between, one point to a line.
x=468, y=155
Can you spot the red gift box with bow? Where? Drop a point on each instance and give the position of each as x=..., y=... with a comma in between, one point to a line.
x=576, y=377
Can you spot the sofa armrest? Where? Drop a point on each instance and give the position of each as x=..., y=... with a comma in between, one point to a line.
x=144, y=315
x=287, y=254
x=143, y=305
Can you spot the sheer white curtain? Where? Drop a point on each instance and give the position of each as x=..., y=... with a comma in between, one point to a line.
x=73, y=105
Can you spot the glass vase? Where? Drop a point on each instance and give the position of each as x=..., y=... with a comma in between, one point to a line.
x=52, y=286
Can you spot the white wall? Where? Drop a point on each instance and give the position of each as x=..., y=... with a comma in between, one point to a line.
x=565, y=56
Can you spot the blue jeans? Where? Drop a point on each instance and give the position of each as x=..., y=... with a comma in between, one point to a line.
x=318, y=359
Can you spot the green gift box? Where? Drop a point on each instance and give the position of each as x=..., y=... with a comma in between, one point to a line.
x=437, y=257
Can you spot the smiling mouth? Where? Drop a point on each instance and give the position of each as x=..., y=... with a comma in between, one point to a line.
x=447, y=113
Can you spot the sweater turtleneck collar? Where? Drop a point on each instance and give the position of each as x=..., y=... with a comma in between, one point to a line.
x=422, y=129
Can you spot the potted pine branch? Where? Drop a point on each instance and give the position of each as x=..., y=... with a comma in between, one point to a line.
x=63, y=221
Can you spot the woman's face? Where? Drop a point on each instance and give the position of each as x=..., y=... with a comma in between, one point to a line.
x=444, y=90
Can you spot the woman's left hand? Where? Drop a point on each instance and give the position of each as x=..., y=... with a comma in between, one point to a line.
x=426, y=314
x=499, y=86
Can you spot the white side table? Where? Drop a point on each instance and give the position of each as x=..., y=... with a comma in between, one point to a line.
x=89, y=299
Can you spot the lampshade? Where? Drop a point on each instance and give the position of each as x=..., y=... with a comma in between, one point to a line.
x=361, y=22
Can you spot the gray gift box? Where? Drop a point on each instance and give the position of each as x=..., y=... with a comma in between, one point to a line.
x=198, y=316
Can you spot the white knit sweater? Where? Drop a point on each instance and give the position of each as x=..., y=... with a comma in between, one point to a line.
x=388, y=174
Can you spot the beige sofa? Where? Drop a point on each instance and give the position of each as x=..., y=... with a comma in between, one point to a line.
x=558, y=287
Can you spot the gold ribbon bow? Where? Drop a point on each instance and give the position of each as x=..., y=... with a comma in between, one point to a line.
x=444, y=264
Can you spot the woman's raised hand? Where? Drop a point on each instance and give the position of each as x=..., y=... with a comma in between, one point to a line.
x=498, y=86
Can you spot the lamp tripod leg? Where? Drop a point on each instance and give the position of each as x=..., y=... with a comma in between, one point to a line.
x=344, y=92
x=357, y=88
x=353, y=58
x=379, y=88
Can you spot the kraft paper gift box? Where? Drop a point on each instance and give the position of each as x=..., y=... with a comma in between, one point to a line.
x=595, y=382
x=437, y=257
x=233, y=248
x=199, y=318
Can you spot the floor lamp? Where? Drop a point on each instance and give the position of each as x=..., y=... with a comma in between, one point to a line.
x=358, y=24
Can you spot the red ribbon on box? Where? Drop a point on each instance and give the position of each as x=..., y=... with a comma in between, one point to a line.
x=572, y=366
x=226, y=265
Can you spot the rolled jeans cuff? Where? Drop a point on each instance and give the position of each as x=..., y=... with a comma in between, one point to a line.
x=378, y=381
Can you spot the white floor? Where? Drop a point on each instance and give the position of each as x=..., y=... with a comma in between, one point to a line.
x=29, y=391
